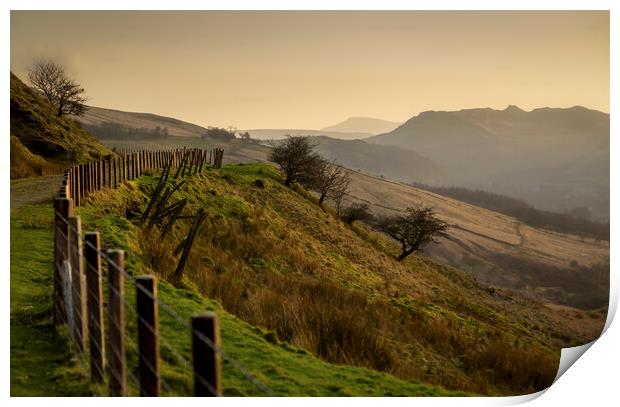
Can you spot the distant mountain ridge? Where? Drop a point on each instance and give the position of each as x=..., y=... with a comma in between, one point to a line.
x=554, y=158
x=385, y=161
x=368, y=125
x=275, y=134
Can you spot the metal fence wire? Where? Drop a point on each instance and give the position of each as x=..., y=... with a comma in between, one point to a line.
x=113, y=316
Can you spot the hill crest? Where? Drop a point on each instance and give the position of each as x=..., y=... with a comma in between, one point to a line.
x=369, y=125
x=42, y=132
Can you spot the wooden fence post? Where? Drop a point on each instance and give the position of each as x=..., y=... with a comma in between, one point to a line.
x=71, y=184
x=99, y=175
x=88, y=177
x=148, y=335
x=95, y=176
x=76, y=188
x=80, y=183
x=83, y=181
x=104, y=174
x=95, y=306
x=80, y=327
x=206, y=356
x=63, y=210
x=116, y=323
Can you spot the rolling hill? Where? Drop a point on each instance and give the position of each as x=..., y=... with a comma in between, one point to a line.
x=96, y=116
x=363, y=125
x=555, y=159
x=547, y=265
x=272, y=258
x=498, y=249
x=387, y=161
x=42, y=141
x=275, y=134
x=316, y=307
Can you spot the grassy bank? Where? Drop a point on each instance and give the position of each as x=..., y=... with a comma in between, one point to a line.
x=275, y=260
x=42, y=362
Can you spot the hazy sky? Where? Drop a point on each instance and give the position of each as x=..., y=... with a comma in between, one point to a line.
x=313, y=69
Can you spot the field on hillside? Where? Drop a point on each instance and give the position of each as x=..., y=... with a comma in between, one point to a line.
x=43, y=363
x=495, y=248
x=500, y=250
x=98, y=116
x=273, y=258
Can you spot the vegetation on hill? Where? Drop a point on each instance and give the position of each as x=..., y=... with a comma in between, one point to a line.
x=388, y=161
x=269, y=255
x=43, y=363
x=118, y=131
x=36, y=125
x=561, y=222
x=26, y=164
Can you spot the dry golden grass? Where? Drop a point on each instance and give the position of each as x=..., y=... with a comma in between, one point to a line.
x=497, y=248
x=276, y=260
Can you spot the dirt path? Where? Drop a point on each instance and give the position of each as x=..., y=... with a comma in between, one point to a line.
x=34, y=190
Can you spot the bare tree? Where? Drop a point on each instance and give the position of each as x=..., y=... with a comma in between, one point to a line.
x=338, y=194
x=246, y=137
x=331, y=178
x=297, y=160
x=416, y=228
x=65, y=94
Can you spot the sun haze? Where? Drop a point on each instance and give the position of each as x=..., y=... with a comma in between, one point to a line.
x=313, y=69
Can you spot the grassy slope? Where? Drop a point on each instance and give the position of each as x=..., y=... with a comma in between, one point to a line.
x=468, y=338
x=42, y=364
x=496, y=249
x=35, y=124
x=41, y=361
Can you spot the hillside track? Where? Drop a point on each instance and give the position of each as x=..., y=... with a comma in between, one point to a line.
x=33, y=190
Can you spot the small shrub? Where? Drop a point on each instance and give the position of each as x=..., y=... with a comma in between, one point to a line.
x=357, y=212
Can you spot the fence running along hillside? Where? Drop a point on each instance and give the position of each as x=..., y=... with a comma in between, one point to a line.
x=83, y=179
x=118, y=335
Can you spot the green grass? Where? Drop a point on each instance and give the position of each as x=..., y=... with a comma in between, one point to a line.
x=257, y=236
x=42, y=362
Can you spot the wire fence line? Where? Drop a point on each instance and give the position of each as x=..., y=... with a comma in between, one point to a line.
x=82, y=180
x=98, y=323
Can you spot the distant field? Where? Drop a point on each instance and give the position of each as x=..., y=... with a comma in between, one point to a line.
x=500, y=250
